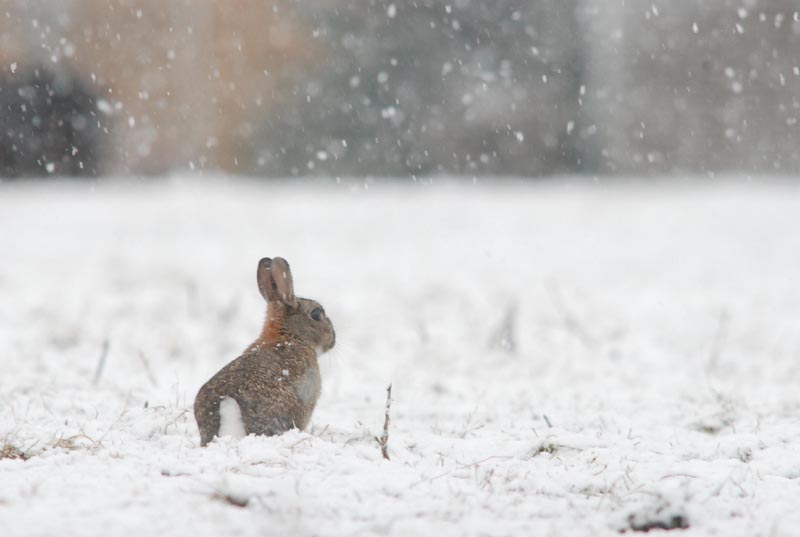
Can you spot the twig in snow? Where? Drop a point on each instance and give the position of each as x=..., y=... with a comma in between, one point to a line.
x=383, y=441
x=235, y=500
x=547, y=421
x=101, y=363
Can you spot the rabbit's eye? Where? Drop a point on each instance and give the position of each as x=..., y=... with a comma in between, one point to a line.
x=317, y=314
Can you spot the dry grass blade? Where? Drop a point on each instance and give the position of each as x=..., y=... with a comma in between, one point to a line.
x=10, y=451
x=101, y=363
x=383, y=441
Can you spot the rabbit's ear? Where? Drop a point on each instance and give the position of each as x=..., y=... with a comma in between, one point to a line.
x=264, y=278
x=282, y=279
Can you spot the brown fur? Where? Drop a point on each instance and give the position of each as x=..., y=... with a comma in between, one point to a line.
x=274, y=327
x=276, y=381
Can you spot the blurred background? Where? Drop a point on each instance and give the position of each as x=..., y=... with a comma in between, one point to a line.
x=365, y=88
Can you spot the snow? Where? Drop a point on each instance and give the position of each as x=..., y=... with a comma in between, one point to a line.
x=566, y=358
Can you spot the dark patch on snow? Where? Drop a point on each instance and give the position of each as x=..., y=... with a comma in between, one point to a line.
x=232, y=499
x=662, y=515
x=546, y=447
x=673, y=522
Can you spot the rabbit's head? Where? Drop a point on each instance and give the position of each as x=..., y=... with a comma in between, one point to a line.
x=290, y=318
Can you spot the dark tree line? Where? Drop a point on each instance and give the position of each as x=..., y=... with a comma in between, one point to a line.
x=467, y=87
x=49, y=124
x=429, y=87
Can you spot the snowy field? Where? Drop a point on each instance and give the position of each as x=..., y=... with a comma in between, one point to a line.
x=566, y=360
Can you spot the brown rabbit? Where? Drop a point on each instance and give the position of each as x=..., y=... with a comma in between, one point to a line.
x=273, y=386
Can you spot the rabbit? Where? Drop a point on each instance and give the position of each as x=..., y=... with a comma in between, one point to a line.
x=274, y=385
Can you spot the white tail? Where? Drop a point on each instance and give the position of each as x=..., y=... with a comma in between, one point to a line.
x=230, y=419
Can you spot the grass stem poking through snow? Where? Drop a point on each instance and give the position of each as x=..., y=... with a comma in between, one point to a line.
x=571, y=321
x=147, y=369
x=101, y=364
x=718, y=343
x=383, y=441
x=504, y=337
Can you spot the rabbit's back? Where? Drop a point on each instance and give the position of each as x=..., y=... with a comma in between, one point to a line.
x=276, y=389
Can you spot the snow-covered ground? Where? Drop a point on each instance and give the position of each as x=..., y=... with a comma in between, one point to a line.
x=565, y=360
